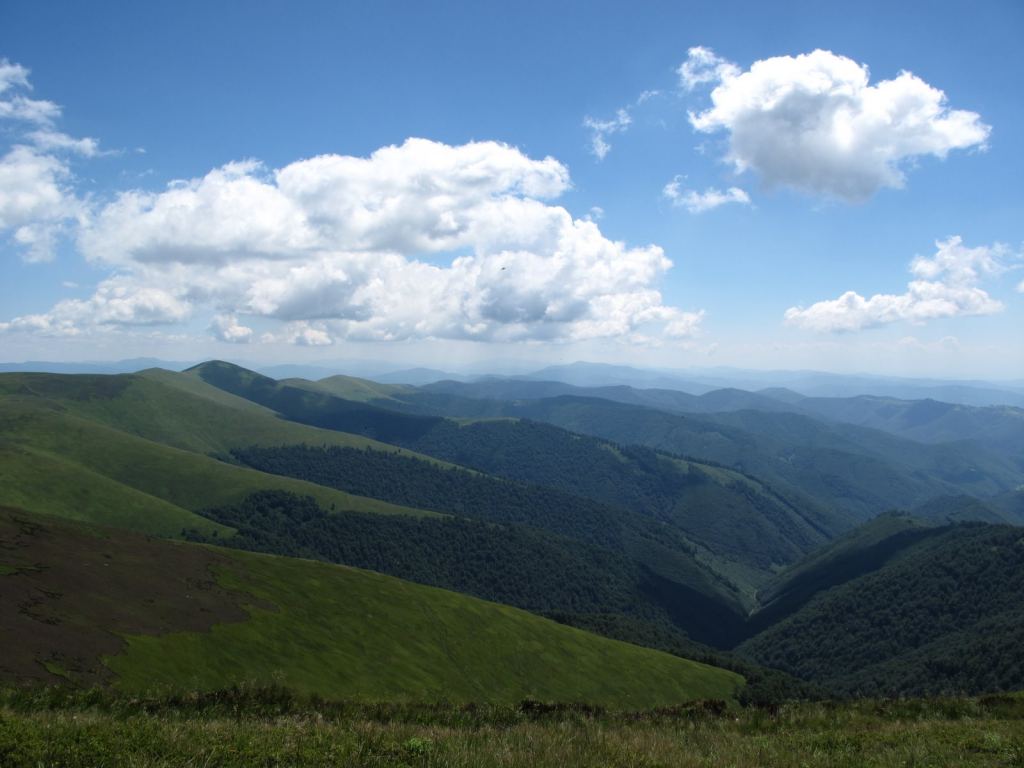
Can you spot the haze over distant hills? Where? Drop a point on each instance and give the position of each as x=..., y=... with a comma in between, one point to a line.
x=694, y=381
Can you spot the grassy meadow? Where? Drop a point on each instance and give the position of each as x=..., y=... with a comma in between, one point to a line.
x=271, y=727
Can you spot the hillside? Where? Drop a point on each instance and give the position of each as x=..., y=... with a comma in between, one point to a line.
x=512, y=564
x=141, y=613
x=312, y=406
x=170, y=408
x=927, y=421
x=943, y=615
x=352, y=388
x=54, y=461
x=863, y=550
x=746, y=528
x=672, y=400
x=860, y=471
x=997, y=427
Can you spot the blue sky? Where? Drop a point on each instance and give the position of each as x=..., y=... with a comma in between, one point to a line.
x=504, y=235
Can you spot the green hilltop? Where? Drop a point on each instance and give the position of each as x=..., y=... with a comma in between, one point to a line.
x=132, y=451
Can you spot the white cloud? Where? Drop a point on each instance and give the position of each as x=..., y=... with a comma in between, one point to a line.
x=1020, y=287
x=118, y=301
x=421, y=240
x=48, y=140
x=227, y=328
x=12, y=76
x=945, y=285
x=600, y=130
x=703, y=66
x=17, y=106
x=813, y=122
x=699, y=202
x=300, y=333
x=36, y=200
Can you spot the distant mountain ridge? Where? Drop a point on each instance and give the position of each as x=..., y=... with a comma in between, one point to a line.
x=695, y=381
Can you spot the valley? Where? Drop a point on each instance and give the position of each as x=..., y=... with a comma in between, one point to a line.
x=679, y=532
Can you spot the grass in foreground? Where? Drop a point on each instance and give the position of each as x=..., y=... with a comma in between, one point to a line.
x=271, y=727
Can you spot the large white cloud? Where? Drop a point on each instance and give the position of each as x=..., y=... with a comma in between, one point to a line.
x=814, y=122
x=36, y=198
x=415, y=241
x=945, y=285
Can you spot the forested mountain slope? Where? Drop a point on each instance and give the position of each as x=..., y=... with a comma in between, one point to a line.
x=749, y=527
x=858, y=454
x=943, y=615
x=513, y=564
x=999, y=427
x=859, y=470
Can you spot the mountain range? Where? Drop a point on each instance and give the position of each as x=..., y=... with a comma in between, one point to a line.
x=756, y=542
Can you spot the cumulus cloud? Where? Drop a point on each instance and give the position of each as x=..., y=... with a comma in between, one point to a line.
x=944, y=285
x=421, y=240
x=227, y=328
x=815, y=123
x=36, y=199
x=699, y=202
x=119, y=302
x=600, y=130
x=302, y=334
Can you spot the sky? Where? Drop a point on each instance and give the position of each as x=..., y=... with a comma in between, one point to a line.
x=671, y=184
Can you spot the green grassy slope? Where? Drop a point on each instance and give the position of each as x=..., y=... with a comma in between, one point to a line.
x=102, y=474
x=175, y=409
x=52, y=484
x=380, y=638
x=313, y=406
x=201, y=617
x=352, y=388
